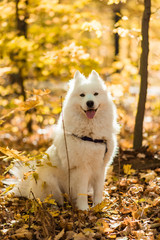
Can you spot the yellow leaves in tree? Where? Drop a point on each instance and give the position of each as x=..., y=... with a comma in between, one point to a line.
x=23, y=106
x=121, y=31
x=72, y=50
x=29, y=103
x=33, y=101
x=115, y=1
x=117, y=90
x=21, y=42
x=40, y=92
x=93, y=26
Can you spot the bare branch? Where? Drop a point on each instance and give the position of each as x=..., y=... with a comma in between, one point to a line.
x=65, y=140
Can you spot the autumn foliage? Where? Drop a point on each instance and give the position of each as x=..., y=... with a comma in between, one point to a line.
x=42, y=43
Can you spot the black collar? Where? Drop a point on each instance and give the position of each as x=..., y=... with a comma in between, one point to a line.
x=85, y=138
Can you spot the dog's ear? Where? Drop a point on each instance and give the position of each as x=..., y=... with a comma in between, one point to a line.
x=94, y=74
x=94, y=77
x=77, y=75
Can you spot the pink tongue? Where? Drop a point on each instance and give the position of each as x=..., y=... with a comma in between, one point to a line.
x=90, y=113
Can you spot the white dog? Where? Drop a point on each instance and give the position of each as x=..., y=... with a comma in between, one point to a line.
x=83, y=147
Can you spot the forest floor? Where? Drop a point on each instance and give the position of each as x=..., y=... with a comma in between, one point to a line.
x=130, y=209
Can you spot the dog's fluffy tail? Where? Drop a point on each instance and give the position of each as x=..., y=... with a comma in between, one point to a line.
x=17, y=174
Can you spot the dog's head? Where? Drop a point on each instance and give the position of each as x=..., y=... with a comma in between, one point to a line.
x=88, y=94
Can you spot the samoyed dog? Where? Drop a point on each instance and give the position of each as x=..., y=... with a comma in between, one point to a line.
x=83, y=147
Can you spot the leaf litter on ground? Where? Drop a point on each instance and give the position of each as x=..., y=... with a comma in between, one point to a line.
x=130, y=210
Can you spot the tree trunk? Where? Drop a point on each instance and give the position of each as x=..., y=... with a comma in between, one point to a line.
x=138, y=130
x=116, y=35
x=22, y=27
x=21, y=22
x=22, y=31
x=117, y=17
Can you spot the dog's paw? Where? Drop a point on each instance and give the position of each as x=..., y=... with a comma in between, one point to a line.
x=83, y=207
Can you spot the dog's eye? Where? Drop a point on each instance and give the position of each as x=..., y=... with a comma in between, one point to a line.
x=82, y=95
x=96, y=93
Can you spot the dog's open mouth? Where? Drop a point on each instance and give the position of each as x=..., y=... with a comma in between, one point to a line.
x=90, y=113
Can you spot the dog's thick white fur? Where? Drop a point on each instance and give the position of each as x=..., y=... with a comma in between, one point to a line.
x=89, y=117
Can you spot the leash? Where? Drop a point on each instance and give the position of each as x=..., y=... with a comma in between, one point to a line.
x=85, y=138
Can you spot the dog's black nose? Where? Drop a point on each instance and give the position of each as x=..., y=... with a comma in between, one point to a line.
x=90, y=104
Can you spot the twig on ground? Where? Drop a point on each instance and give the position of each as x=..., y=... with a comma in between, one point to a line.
x=47, y=219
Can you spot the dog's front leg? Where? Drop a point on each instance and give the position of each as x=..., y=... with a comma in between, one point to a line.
x=79, y=188
x=98, y=189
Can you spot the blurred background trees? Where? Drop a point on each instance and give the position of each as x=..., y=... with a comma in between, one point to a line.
x=43, y=42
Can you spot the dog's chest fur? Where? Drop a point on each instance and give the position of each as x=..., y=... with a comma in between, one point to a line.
x=82, y=153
